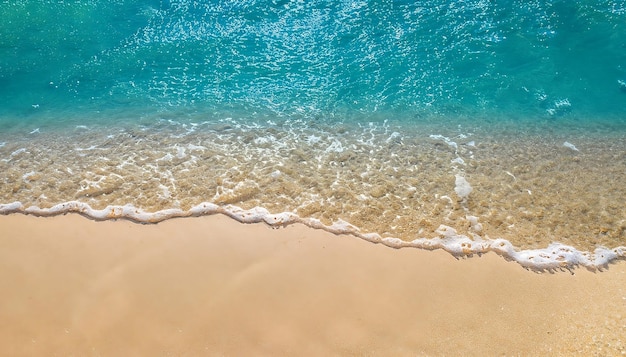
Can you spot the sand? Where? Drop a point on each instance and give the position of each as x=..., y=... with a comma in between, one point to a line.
x=212, y=286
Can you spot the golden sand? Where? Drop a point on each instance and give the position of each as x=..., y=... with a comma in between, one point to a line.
x=212, y=286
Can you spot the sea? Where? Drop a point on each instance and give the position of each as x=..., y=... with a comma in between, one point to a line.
x=471, y=126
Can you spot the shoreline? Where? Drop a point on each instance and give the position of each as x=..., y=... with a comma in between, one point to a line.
x=528, y=188
x=209, y=284
x=551, y=258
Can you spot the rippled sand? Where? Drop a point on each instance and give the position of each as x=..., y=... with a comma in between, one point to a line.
x=531, y=186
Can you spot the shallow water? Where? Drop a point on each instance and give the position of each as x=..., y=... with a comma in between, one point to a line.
x=497, y=120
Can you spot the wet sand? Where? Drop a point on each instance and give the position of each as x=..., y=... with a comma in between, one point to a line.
x=212, y=286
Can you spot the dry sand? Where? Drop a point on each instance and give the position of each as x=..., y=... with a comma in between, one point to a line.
x=212, y=286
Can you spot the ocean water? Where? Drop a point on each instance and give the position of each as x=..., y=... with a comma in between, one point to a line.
x=470, y=126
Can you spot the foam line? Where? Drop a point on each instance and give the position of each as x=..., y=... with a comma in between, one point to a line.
x=556, y=257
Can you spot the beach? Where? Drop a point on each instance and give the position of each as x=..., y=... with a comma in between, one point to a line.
x=385, y=178
x=213, y=286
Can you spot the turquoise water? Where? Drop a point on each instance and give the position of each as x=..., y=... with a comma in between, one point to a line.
x=385, y=102
x=313, y=58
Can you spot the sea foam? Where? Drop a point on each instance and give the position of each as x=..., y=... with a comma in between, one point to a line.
x=555, y=257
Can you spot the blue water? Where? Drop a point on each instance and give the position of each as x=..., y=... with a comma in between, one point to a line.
x=500, y=119
x=323, y=59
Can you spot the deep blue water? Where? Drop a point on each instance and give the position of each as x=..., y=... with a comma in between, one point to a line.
x=79, y=61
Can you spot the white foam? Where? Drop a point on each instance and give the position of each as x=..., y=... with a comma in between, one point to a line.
x=393, y=137
x=477, y=227
x=193, y=147
x=560, y=106
x=180, y=152
x=458, y=160
x=165, y=192
x=264, y=140
x=562, y=103
x=462, y=187
x=335, y=146
x=553, y=258
x=570, y=146
x=92, y=147
x=28, y=175
x=166, y=157
x=447, y=141
x=312, y=139
x=18, y=151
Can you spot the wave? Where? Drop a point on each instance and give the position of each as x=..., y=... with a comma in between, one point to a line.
x=555, y=257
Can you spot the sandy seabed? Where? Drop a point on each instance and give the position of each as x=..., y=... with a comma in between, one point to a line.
x=213, y=286
x=525, y=185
